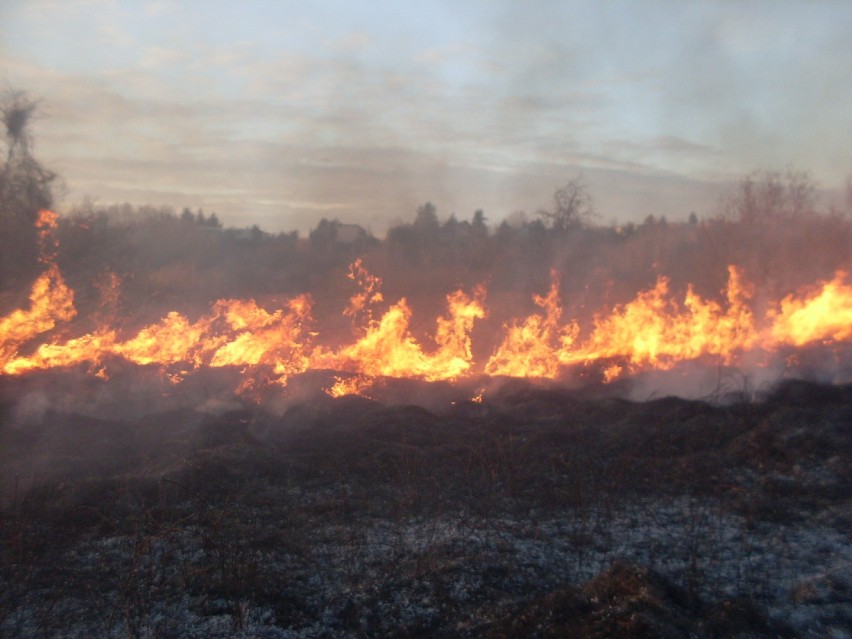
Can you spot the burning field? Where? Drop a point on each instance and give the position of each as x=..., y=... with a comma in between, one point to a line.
x=340, y=462
x=656, y=330
x=599, y=387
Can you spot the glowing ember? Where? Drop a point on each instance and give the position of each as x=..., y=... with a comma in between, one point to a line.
x=355, y=385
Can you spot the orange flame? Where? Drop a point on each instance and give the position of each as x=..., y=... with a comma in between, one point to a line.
x=51, y=300
x=654, y=330
x=389, y=349
x=823, y=315
x=531, y=347
x=369, y=291
x=355, y=385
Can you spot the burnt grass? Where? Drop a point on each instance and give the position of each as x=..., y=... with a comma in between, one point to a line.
x=537, y=513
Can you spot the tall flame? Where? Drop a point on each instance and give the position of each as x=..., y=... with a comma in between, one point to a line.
x=389, y=349
x=51, y=301
x=531, y=346
x=654, y=331
x=651, y=331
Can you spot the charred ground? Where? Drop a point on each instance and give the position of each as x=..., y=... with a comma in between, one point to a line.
x=540, y=512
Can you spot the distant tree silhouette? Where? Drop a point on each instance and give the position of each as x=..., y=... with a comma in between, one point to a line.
x=573, y=206
x=324, y=235
x=480, y=228
x=450, y=227
x=25, y=189
x=772, y=196
x=426, y=222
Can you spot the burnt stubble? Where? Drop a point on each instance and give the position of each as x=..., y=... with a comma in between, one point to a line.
x=539, y=512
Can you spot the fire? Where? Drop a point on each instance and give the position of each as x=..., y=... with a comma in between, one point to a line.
x=389, y=349
x=235, y=333
x=86, y=349
x=612, y=372
x=259, y=337
x=531, y=346
x=651, y=331
x=46, y=224
x=171, y=341
x=823, y=315
x=369, y=291
x=355, y=385
x=655, y=330
x=51, y=301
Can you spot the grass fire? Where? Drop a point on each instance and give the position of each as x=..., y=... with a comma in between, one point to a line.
x=653, y=330
x=465, y=325
x=373, y=454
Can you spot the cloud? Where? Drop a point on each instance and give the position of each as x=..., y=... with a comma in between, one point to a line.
x=351, y=42
x=282, y=115
x=205, y=154
x=161, y=58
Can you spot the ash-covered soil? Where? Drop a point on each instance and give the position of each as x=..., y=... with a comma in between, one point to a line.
x=537, y=513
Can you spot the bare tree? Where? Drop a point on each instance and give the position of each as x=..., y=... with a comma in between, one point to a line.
x=572, y=206
x=772, y=196
x=25, y=189
x=17, y=110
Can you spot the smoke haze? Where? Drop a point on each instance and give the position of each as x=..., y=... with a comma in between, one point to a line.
x=279, y=117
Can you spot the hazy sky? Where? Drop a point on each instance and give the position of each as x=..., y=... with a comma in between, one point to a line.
x=280, y=113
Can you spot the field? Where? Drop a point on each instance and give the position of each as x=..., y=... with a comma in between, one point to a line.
x=538, y=512
x=478, y=421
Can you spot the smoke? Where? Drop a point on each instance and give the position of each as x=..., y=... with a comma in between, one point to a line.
x=31, y=408
x=274, y=320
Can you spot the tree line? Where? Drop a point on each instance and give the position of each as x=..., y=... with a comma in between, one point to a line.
x=770, y=224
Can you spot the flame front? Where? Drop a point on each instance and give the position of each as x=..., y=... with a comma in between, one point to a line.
x=389, y=349
x=532, y=346
x=51, y=301
x=655, y=330
x=824, y=314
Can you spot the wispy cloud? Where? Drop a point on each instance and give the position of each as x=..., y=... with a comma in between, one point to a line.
x=266, y=112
